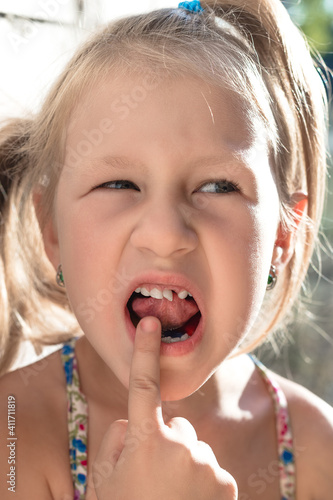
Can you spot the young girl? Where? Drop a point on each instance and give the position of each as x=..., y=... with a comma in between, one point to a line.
x=159, y=214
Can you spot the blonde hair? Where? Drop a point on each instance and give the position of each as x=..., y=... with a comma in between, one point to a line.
x=250, y=47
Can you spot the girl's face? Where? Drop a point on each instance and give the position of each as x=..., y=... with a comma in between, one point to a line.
x=166, y=184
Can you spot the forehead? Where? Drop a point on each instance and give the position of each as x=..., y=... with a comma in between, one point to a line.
x=130, y=113
x=141, y=92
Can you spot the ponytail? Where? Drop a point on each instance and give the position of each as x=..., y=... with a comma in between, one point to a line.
x=26, y=296
x=13, y=138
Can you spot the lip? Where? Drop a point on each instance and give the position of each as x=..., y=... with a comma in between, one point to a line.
x=177, y=282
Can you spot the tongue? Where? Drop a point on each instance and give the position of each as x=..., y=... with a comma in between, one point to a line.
x=171, y=314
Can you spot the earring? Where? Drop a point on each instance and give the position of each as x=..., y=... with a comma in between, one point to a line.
x=60, y=277
x=272, y=278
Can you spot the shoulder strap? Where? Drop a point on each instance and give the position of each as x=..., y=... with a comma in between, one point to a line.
x=284, y=434
x=77, y=420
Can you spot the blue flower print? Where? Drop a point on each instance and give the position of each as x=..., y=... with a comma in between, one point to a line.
x=81, y=478
x=287, y=457
x=68, y=365
x=79, y=444
x=67, y=349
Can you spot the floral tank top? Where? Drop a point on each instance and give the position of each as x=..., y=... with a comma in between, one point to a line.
x=78, y=427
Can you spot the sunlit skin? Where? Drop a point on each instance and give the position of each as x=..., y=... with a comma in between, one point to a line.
x=170, y=218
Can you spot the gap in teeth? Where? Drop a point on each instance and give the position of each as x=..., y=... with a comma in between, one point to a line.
x=171, y=340
x=160, y=294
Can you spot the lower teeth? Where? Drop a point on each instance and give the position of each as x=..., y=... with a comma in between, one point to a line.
x=171, y=340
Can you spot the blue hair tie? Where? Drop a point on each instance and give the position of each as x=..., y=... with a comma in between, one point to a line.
x=191, y=6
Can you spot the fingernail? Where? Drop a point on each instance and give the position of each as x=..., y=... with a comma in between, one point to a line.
x=148, y=324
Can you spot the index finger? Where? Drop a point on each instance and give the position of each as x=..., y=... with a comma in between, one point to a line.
x=144, y=401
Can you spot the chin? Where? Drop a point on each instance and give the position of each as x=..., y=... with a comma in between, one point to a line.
x=172, y=390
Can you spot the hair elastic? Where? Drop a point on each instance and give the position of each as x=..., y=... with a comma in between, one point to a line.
x=193, y=6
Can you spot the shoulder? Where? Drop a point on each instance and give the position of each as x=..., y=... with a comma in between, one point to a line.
x=312, y=426
x=34, y=409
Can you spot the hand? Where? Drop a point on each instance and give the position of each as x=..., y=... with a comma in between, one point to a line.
x=151, y=460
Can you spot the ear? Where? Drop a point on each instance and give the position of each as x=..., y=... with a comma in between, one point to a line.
x=285, y=239
x=48, y=230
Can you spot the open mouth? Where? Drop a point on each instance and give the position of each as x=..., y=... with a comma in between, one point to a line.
x=179, y=316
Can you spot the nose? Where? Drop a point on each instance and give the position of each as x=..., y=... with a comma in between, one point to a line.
x=164, y=229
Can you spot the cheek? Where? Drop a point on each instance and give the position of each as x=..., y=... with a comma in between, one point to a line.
x=87, y=263
x=89, y=241
x=90, y=255
x=239, y=249
x=242, y=234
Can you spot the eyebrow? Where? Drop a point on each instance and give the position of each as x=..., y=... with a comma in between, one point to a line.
x=122, y=162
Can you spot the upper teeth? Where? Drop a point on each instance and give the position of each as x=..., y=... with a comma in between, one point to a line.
x=159, y=294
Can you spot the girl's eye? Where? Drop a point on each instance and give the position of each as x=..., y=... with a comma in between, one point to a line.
x=218, y=187
x=119, y=185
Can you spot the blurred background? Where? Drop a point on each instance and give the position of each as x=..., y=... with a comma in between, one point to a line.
x=37, y=37
x=307, y=354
